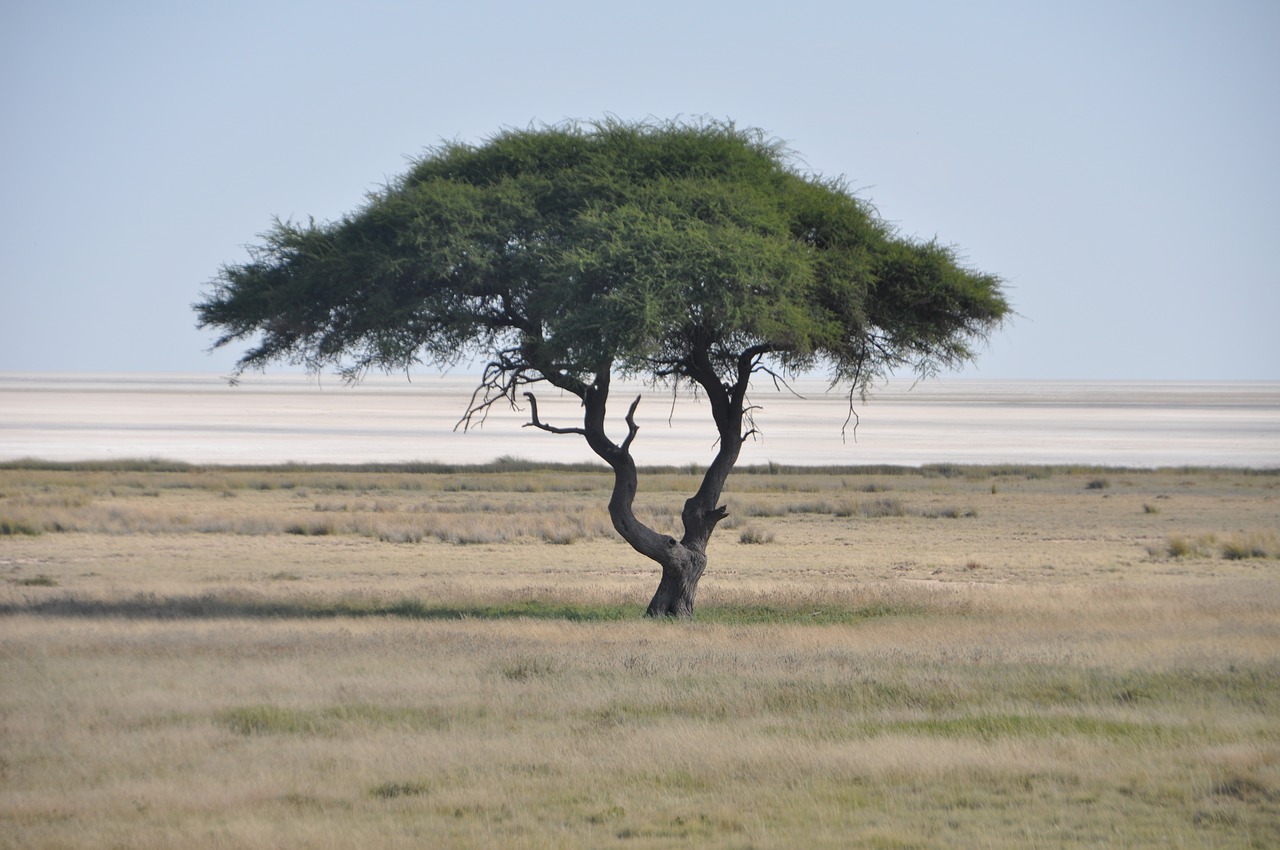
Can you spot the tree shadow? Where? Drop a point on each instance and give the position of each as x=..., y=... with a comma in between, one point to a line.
x=244, y=605
x=213, y=606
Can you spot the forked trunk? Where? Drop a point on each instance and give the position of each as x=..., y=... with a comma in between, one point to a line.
x=683, y=561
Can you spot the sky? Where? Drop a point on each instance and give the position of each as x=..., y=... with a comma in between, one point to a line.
x=1115, y=163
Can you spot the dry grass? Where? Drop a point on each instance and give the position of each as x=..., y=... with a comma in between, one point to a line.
x=1012, y=659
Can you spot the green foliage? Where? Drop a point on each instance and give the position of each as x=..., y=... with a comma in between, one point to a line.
x=565, y=252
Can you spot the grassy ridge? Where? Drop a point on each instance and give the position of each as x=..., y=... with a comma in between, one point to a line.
x=510, y=464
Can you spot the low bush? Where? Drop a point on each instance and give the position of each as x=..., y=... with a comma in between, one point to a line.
x=12, y=527
x=37, y=581
x=1243, y=547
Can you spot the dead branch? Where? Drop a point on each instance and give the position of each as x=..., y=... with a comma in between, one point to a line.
x=632, y=427
x=538, y=423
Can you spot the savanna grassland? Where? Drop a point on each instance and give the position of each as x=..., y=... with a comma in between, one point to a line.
x=406, y=657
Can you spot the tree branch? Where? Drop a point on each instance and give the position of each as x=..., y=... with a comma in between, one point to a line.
x=852, y=417
x=502, y=378
x=632, y=427
x=537, y=423
x=779, y=382
x=748, y=362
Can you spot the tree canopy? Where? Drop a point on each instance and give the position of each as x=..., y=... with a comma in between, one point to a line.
x=673, y=252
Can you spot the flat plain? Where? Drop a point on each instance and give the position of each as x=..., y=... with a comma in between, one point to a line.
x=391, y=656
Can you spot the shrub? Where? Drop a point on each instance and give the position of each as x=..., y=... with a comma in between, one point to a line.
x=1182, y=547
x=949, y=513
x=1242, y=548
x=882, y=508
x=19, y=526
x=314, y=528
x=38, y=581
x=754, y=536
x=399, y=535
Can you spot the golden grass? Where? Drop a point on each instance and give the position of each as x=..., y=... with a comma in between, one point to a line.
x=1013, y=659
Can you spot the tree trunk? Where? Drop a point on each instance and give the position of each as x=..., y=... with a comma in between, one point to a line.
x=679, y=584
x=683, y=561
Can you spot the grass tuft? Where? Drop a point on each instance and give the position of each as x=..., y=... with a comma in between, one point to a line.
x=267, y=720
x=754, y=536
x=1179, y=546
x=37, y=581
x=885, y=507
x=14, y=527
x=525, y=667
x=393, y=790
x=1243, y=547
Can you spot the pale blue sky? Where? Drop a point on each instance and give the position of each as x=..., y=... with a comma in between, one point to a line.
x=1114, y=161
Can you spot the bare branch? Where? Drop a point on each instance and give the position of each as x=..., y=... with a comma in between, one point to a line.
x=486, y=399
x=852, y=417
x=537, y=423
x=748, y=414
x=502, y=379
x=779, y=382
x=632, y=427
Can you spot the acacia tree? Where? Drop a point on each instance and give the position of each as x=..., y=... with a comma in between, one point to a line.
x=695, y=254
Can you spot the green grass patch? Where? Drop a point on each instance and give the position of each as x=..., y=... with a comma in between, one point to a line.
x=393, y=790
x=525, y=667
x=818, y=615
x=252, y=606
x=37, y=581
x=264, y=719
x=990, y=727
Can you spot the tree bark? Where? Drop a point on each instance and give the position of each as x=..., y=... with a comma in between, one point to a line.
x=679, y=585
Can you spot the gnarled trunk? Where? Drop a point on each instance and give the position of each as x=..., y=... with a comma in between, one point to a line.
x=679, y=584
x=683, y=561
